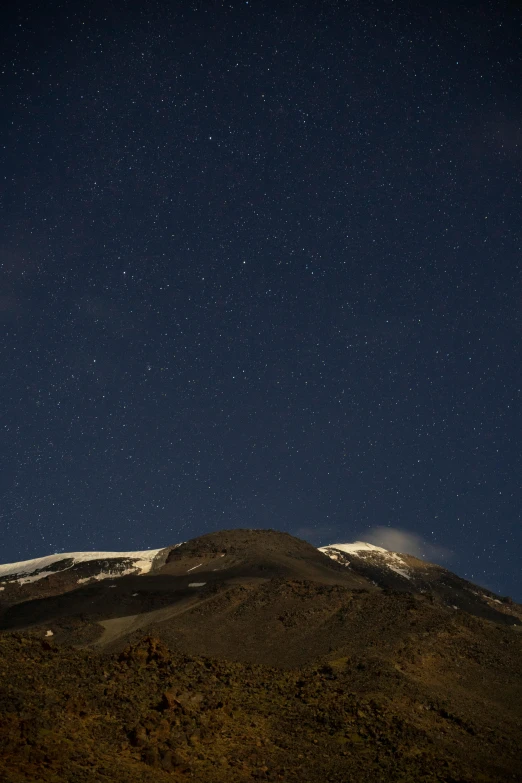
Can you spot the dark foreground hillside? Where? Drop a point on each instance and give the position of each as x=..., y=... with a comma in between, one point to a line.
x=146, y=715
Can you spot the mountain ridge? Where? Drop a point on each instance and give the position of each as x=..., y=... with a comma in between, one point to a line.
x=368, y=565
x=244, y=656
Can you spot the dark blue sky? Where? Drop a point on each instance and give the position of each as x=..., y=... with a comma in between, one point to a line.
x=260, y=267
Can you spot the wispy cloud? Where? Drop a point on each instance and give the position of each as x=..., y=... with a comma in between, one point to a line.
x=408, y=543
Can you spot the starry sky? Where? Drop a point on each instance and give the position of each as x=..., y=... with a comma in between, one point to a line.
x=260, y=267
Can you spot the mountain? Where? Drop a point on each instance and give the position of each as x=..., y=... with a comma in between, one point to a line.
x=234, y=562
x=407, y=573
x=56, y=573
x=252, y=655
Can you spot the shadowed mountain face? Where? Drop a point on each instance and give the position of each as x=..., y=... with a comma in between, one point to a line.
x=405, y=573
x=381, y=666
x=104, y=598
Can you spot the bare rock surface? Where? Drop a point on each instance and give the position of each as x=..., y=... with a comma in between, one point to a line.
x=250, y=655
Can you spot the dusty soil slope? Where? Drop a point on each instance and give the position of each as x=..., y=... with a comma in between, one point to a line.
x=280, y=664
x=205, y=568
x=148, y=715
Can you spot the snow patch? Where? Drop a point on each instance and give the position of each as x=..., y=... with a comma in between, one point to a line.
x=197, y=584
x=27, y=571
x=110, y=574
x=49, y=633
x=335, y=556
x=194, y=567
x=358, y=548
x=400, y=571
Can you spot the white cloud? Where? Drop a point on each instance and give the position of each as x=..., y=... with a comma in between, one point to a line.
x=407, y=543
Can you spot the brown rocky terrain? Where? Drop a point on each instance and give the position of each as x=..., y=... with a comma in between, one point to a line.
x=250, y=655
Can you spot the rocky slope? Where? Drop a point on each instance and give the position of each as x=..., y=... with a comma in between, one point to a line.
x=56, y=574
x=407, y=573
x=110, y=596
x=251, y=655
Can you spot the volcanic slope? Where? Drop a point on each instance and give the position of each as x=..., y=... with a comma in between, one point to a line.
x=191, y=596
x=250, y=655
x=257, y=596
x=405, y=573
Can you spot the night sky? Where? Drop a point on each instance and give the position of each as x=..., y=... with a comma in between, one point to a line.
x=260, y=267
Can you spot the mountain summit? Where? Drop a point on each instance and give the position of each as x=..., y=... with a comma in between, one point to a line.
x=78, y=582
x=251, y=655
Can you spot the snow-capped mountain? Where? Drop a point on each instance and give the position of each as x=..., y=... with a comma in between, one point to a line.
x=108, y=563
x=58, y=573
x=441, y=654
x=406, y=573
x=221, y=558
x=361, y=549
